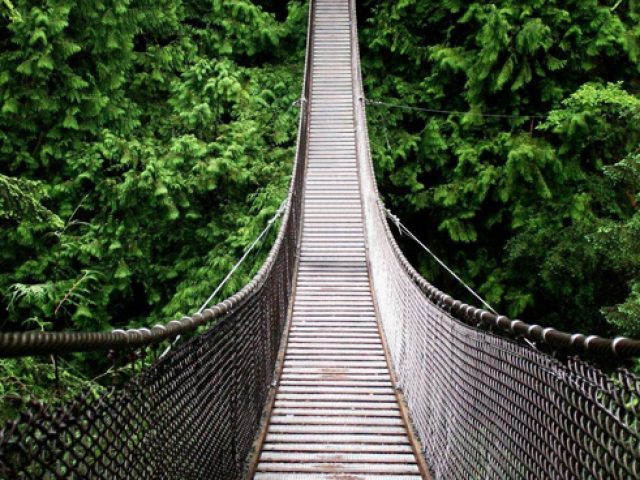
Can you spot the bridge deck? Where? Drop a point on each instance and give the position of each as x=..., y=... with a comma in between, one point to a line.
x=336, y=414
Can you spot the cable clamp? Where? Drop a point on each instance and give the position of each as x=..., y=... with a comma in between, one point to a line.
x=278, y=213
x=394, y=219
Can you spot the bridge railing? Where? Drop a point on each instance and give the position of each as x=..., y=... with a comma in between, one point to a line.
x=196, y=411
x=488, y=405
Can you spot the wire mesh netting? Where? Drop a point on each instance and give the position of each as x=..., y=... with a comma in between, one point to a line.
x=192, y=415
x=487, y=406
x=195, y=412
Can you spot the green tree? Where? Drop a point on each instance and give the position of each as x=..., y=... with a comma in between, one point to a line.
x=143, y=145
x=535, y=213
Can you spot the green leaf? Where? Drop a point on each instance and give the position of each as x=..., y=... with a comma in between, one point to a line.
x=122, y=272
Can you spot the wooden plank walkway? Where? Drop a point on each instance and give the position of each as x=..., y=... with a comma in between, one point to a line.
x=336, y=414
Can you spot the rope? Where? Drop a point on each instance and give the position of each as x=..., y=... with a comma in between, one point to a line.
x=403, y=229
x=237, y=265
x=258, y=239
x=451, y=112
x=276, y=109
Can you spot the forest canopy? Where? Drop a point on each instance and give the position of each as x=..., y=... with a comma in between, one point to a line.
x=537, y=205
x=144, y=144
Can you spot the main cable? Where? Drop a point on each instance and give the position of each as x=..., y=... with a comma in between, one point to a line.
x=452, y=112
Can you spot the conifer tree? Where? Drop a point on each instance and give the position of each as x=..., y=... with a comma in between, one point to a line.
x=534, y=212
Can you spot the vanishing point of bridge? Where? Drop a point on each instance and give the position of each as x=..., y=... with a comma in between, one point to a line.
x=338, y=360
x=336, y=409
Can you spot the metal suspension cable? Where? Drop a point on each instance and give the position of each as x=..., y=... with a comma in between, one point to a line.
x=403, y=229
x=452, y=112
x=246, y=253
x=237, y=265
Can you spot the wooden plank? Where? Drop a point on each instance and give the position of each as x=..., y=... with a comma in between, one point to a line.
x=343, y=421
x=335, y=457
x=310, y=379
x=328, y=341
x=337, y=334
x=339, y=317
x=337, y=397
x=349, y=438
x=346, y=389
x=339, y=429
x=348, y=359
x=302, y=325
x=329, y=328
x=280, y=403
x=337, y=467
x=331, y=476
x=335, y=352
x=315, y=286
x=336, y=447
x=336, y=414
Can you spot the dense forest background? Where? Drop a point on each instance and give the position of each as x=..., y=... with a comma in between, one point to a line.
x=538, y=211
x=144, y=144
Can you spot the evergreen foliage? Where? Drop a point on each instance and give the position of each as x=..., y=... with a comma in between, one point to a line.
x=143, y=145
x=539, y=214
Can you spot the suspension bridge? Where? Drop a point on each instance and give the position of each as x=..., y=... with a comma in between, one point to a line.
x=338, y=360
